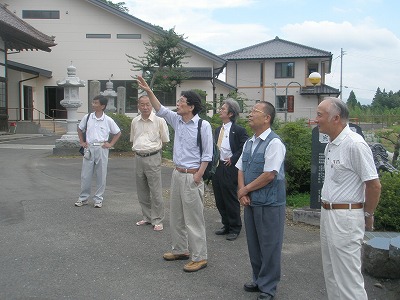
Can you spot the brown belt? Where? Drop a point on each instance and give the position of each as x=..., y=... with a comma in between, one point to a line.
x=183, y=170
x=342, y=205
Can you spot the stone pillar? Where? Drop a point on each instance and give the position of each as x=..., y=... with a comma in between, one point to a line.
x=121, y=99
x=111, y=95
x=94, y=90
x=69, y=142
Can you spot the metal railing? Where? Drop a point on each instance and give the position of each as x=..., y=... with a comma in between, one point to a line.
x=21, y=111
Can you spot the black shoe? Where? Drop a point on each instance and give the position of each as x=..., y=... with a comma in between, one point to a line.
x=265, y=296
x=251, y=287
x=221, y=231
x=232, y=236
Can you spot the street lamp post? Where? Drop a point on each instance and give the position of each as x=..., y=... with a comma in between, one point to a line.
x=314, y=78
x=286, y=98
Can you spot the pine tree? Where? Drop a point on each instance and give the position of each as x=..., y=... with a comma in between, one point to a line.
x=162, y=64
x=352, y=101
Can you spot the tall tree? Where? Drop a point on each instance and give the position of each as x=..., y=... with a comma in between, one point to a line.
x=352, y=101
x=386, y=100
x=162, y=65
x=120, y=5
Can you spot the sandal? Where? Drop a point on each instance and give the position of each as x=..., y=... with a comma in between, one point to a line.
x=142, y=222
x=158, y=227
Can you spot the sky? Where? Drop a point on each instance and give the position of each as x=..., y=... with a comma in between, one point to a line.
x=368, y=31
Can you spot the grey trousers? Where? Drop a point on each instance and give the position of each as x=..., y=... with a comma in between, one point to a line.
x=186, y=216
x=149, y=188
x=264, y=231
x=96, y=164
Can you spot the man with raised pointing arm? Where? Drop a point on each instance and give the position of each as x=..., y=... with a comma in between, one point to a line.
x=187, y=186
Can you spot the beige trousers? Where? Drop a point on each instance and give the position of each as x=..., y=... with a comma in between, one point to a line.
x=186, y=216
x=149, y=188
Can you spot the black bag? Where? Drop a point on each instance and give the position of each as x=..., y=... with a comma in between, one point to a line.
x=213, y=164
x=82, y=149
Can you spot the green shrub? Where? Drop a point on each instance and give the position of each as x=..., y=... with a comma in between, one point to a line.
x=387, y=214
x=297, y=139
x=124, y=123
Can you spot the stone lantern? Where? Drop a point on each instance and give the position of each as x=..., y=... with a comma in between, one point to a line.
x=69, y=142
x=111, y=95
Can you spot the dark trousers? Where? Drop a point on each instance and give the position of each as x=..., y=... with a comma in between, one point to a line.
x=225, y=192
x=264, y=231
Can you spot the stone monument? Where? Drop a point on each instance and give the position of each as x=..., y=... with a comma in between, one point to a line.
x=69, y=142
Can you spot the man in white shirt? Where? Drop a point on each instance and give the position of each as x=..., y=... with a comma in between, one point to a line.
x=148, y=133
x=98, y=127
x=262, y=192
x=349, y=197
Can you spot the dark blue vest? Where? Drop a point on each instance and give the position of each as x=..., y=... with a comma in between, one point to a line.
x=274, y=193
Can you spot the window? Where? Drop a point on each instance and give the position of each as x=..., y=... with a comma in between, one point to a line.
x=98, y=36
x=40, y=14
x=132, y=36
x=167, y=98
x=280, y=103
x=312, y=67
x=284, y=70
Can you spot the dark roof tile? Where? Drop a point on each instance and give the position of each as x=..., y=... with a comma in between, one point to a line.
x=276, y=48
x=19, y=35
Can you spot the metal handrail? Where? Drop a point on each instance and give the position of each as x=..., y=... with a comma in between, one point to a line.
x=53, y=110
x=32, y=109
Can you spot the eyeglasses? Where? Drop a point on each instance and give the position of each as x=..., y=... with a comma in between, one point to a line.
x=256, y=110
x=181, y=101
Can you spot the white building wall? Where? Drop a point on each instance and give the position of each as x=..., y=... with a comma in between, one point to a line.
x=94, y=59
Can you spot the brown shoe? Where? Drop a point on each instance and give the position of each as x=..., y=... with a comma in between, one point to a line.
x=194, y=266
x=171, y=256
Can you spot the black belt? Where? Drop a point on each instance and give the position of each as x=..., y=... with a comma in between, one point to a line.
x=147, y=154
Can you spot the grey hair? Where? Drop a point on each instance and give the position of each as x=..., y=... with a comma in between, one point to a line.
x=338, y=107
x=233, y=107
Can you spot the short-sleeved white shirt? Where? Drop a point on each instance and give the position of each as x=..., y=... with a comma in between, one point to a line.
x=98, y=129
x=348, y=164
x=274, y=153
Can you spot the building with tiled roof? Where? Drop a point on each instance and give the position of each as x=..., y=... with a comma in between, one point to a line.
x=277, y=71
x=96, y=37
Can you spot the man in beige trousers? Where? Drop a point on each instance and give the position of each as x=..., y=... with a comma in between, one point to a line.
x=148, y=133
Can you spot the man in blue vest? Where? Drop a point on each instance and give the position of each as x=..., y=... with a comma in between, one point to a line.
x=262, y=192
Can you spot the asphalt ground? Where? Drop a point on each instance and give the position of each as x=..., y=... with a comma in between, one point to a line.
x=50, y=249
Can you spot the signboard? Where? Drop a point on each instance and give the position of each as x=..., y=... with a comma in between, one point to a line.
x=290, y=104
x=318, y=144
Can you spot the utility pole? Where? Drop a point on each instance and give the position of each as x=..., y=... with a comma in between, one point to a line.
x=341, y=72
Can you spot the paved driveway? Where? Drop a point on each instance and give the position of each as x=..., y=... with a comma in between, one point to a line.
x=50, y=249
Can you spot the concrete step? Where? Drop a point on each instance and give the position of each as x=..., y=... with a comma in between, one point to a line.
x=57, y=127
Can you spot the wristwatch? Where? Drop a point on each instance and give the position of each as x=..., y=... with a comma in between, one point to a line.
x=368, y=215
